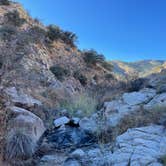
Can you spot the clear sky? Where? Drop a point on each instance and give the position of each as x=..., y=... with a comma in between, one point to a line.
x=127, y=30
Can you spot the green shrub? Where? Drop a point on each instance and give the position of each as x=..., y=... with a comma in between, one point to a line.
x=13, y=18
x=83, y=102
x=69, y=38
x=79, y=76
x=55, y=33
x=4, y=2
x=91, y=57
x=59, y=72
x=7, y=31
x=19, y=146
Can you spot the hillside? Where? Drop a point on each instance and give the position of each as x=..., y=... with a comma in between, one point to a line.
x=60, y=106
x=141, y=68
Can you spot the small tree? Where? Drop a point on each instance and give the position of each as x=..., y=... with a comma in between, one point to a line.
x=54, y=32
x=69, y=38
x=91, y=57
x=59, y=72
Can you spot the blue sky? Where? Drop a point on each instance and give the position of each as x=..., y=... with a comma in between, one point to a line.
x=127, y=30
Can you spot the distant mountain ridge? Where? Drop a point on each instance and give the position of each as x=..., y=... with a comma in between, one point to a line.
x=141, y=68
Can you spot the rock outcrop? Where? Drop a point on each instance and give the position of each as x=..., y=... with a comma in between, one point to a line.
x=140, y=146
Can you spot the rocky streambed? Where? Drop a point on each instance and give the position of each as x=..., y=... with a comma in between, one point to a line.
x=127, y=131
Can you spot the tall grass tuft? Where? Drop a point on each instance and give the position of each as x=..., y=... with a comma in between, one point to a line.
x=83, y=102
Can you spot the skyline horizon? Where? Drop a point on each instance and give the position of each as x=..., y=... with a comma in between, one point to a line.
x=120, y=31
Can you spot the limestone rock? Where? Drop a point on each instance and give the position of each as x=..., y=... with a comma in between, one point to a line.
x=140, y=146
x=135, y=98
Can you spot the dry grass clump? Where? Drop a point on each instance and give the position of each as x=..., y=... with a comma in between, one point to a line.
x=83, y=102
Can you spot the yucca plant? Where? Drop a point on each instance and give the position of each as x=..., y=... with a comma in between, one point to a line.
x=19, y=146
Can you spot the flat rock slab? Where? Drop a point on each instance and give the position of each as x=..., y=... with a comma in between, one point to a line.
x=135, y=98
x=140, y=147
x=158, y=100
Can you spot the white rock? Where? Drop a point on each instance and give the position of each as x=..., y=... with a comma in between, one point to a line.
x=61, y=121
x=140, y=146
x=135, y=98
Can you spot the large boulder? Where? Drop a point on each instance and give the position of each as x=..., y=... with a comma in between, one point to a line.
x=26, y=121
x=135, y=98
x=140, y=146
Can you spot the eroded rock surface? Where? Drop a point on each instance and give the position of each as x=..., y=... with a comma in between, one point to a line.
x=140, y=146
